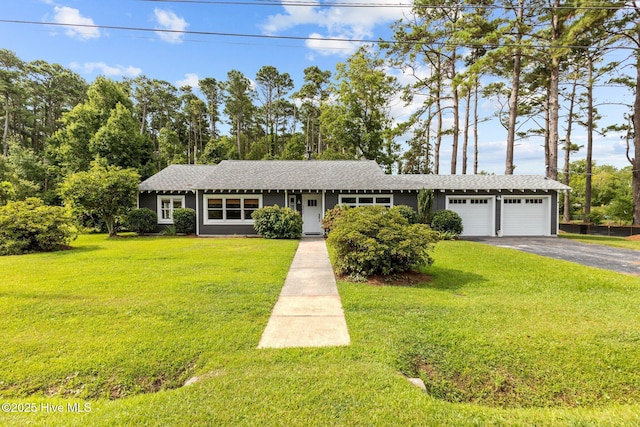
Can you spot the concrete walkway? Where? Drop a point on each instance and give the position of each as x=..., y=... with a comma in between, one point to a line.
x=308, y=312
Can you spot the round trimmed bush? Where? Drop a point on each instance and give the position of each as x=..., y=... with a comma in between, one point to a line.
x=447, y=221
x=331, y=217
x=31, y=226
x=184, y=220
x=407, y=212
x=372, y=240
x=142, y=221
x=274, y=222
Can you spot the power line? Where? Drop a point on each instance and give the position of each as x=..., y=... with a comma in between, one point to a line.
x=386, y=5
x=298, y=38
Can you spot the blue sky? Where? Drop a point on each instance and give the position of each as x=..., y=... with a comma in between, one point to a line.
x=182, y=58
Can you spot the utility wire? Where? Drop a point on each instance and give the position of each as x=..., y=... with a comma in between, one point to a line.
x=283, y=37
x=383, y=5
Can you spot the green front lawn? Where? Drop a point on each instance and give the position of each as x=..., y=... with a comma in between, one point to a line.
x=501, y=338
x=617, y=242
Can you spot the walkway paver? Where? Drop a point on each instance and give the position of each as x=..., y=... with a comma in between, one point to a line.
x=308, y=312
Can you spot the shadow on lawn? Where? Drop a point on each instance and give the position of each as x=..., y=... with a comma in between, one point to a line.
x=450, y=280
x=74, y=250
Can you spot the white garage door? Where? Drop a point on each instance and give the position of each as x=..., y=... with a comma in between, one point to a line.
x=526, y=216
x=477, y=214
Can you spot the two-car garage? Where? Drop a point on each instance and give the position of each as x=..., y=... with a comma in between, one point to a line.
x=505, y=215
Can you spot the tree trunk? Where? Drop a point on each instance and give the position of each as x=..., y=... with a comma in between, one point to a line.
x=554, y=110
x=475, y=127
x=513, y=96
x=5, y=132
x=589, y=168
x=238, y=138
x=554, y=102
x=465, y=132
x=436, y=150
x=109, y=222
x=566, y=217
x=636, y=144
x=546, y=134
x=456, y=120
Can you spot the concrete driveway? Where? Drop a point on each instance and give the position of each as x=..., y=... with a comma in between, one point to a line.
x=620, y=260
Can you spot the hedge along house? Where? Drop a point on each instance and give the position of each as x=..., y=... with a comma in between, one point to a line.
x=225, y=195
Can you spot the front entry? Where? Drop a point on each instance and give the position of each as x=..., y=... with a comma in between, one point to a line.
x=312, y=213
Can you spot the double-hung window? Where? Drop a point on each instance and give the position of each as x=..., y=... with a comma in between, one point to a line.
x=368, y=200
x=166, y=206
x=230, y=208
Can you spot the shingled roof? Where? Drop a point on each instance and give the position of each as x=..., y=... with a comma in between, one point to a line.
x=177, y=178
x=483, y=182
x=303, y=175
x=296, y=175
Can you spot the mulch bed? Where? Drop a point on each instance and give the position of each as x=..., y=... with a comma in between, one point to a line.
x=409, y=278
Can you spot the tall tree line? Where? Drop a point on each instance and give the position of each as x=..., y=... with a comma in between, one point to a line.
x=536, y=61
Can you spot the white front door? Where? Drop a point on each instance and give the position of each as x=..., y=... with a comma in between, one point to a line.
x=312, y=214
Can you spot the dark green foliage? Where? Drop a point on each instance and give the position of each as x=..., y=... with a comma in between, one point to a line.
x=447, y=221
x=104, y=191
x=142, y=221
x=6, y=192
x=185, y=220
x=373, y=240
x=331, y=216
x=425, y=206
x=596, y=217
x=274, y=222
x=407, y=212
x=31, y=226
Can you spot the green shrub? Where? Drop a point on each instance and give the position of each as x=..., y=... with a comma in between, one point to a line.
x=407, y=212
x=447, y=221
x=274, y=222
x=374, y=240
x=142, y=221
x=185, y=220
x=595, y=217
x=331, y=216
x=425, y=205
x=169, y=230
x=31, y=226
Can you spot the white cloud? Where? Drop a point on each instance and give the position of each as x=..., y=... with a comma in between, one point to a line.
x=331, y=45
x=106, y=70
x=73, y=18
x=171, y=24
x=190, y=79
x=355, y=23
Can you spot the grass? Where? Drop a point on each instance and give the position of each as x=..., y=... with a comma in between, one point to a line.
x=618, y=242
x=499, y=336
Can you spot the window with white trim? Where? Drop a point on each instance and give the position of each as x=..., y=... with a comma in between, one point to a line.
x=166, y=206
x=230, y=208
x=354, y=201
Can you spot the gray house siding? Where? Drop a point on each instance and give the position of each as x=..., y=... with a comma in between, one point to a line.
x=268, y=199
x=285, y=183
x=150, y=201
x=408, y=198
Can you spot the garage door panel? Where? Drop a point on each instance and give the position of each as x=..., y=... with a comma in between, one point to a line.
x=525, y=216
x=477, y=214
